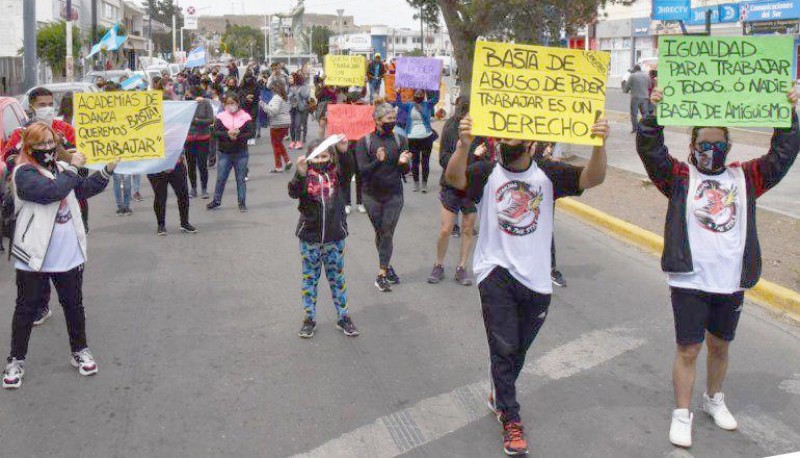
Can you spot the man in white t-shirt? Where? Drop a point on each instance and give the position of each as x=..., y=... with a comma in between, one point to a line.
x=512, y=257
x=711, y=249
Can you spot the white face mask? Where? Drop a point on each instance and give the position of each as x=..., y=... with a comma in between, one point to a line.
x=45, y=114
x=231, y=109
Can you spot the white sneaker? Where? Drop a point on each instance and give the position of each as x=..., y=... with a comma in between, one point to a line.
x=362, y=209
x=251, y=142
x=348, y=209
x=40, y=321
x=84, y=361
x=680, y=431
x=719, y=411
x=12, y=376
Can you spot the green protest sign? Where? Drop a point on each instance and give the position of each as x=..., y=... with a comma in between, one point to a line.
x=725, y=81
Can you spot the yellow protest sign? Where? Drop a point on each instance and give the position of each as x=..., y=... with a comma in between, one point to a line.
x=127, y=125
x=345, y=70
x=537, y=93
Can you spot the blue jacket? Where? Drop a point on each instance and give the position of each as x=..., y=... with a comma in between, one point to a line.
x=404, y=112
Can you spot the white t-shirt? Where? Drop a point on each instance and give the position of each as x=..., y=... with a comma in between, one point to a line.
x=64, y=252
x=516, y=213
x=418, y=130
x=716, y=225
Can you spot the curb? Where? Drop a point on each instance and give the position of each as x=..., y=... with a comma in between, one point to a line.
x=782, y=301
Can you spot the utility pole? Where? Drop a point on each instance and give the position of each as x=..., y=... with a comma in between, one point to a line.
x=70, y=62
x=341, y=40
x=29, y=40
x=421, y=32
x=94, y=29
x=150, y=30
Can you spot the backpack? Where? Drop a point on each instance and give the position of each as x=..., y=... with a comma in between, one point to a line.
x=368, y=140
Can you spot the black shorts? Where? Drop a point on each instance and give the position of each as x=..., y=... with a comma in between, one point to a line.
x=697, y=311
x=455, y=201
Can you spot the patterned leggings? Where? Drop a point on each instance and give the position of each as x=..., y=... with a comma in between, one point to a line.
x=314, y=256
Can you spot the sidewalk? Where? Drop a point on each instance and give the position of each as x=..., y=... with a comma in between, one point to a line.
x=784, y=199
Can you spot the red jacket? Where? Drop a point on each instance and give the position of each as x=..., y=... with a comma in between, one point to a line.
x=14, y=142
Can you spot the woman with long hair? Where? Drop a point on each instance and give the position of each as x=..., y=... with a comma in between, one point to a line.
x=299, y=95
x=279, y=111
x=50, y=243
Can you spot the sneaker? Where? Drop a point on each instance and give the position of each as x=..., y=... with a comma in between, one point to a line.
x=416, y=186
x=557, y=278
x=213, y=205
x=276, y=171
x=462, y=277
x=299, y=145
x=246, y=178
x=347, y=327
x=288, y=166
x=437, y=274
x=680, y=431
x=242, y=208
x=383, y=284
x=43, y=316
x=206, y=195
x=361, y=208
x=128, y=212
x=514, y=442
x=188, y=228
x=84, y=361
x=12, y=376
x=162, y=230
x=292, y=145
x=193, y=194
x=456, y=231
x=137, y=197
x=424, y=188
x=348, y=209
x=719, y=411
x=120, y=212
x=392, y=276
x=308, y=328
x=251, y=142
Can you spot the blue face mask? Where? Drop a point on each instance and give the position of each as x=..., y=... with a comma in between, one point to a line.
x=710, y=156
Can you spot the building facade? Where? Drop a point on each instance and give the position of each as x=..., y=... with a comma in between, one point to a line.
x=393, y=42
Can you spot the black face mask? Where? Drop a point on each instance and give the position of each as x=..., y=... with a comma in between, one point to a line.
x=45, y=157
x=510, y=153
x=419, y=98
x=388, y=127
x=320, y=167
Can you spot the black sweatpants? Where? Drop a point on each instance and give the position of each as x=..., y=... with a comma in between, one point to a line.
x=513, y=316
x=197, y=160
x=420, y=157
x=31, y=289
x=384, y=213
x=359, y=185
x=177, y=179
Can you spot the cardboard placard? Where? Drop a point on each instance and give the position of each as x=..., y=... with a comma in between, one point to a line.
x=354, y=121
x=345, y=70
x=418, y=73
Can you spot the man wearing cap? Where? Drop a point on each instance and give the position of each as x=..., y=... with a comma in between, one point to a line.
x=375, y=72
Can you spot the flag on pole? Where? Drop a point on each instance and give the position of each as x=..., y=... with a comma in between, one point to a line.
x=111, y=41
x=196, y=57
x=134, y=82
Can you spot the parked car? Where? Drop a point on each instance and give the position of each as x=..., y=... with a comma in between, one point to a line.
x=647, y=64
x=110, y=75
x=59, y=89
x=12, y=117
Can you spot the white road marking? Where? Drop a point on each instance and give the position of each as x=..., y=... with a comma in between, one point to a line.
x=437, y=416
x=770, y=434
x=792, y=385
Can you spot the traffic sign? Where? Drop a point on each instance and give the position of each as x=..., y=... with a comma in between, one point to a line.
x=191, y=11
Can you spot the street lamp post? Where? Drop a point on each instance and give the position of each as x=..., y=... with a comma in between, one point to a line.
x=340, y=40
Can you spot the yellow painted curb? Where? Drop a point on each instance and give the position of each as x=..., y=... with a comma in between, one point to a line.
x=776, y=298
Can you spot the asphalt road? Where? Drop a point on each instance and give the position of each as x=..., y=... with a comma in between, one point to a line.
x=195, y=336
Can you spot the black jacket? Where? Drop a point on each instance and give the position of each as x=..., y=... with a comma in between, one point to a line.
x=226, y=145
x=671, y=177
x=382, y=179
x=322, y=201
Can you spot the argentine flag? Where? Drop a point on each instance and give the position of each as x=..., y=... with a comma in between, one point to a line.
x=134, y=82
x=111, y=41
x=196, y=57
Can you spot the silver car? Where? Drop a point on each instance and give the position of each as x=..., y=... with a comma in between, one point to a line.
x=58, y=90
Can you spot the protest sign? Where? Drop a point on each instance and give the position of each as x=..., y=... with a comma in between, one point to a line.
x=406, y=95
x=418, y=73
x=537, y=93
x=355, y=121
x=345, y=70
x=124, y=125
x=330, y=141
x=725, y=81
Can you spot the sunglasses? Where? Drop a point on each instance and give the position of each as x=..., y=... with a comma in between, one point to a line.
x=708, y=146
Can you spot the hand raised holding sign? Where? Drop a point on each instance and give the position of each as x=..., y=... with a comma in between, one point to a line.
x=465, y=131
x=601, y=129
x=302, y=166
x=111, y=166
x=793, y=97
x=78, y=160
x=481, y=151
x=656, y=96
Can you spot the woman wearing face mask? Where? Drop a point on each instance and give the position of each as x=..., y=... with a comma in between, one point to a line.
x=711, y=249
x=322, y=229
x=419, y=132
x=232, y=129
x=279, y=111
x=231, y=84
x=299, y=95
x=383, y=158
x=50, y=243
x=198, y=142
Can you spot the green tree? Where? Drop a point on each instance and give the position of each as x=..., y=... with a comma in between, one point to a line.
x=244, y=41
x=524, y=21
x=321, y=39
x=51, y=44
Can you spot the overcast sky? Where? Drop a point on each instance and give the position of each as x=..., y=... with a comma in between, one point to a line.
x=396, y=13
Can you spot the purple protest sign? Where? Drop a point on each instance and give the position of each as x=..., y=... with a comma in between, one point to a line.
x=418, y=73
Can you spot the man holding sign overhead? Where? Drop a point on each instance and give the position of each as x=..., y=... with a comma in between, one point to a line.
x=711, y=248
x=517, y=197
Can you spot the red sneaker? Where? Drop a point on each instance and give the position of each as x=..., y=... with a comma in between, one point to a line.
x=514, y=442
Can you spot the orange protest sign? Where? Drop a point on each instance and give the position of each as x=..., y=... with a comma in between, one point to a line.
x=407, y=95
x=355, y=121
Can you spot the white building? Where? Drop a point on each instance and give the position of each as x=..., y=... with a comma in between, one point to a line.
x=392, y=42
